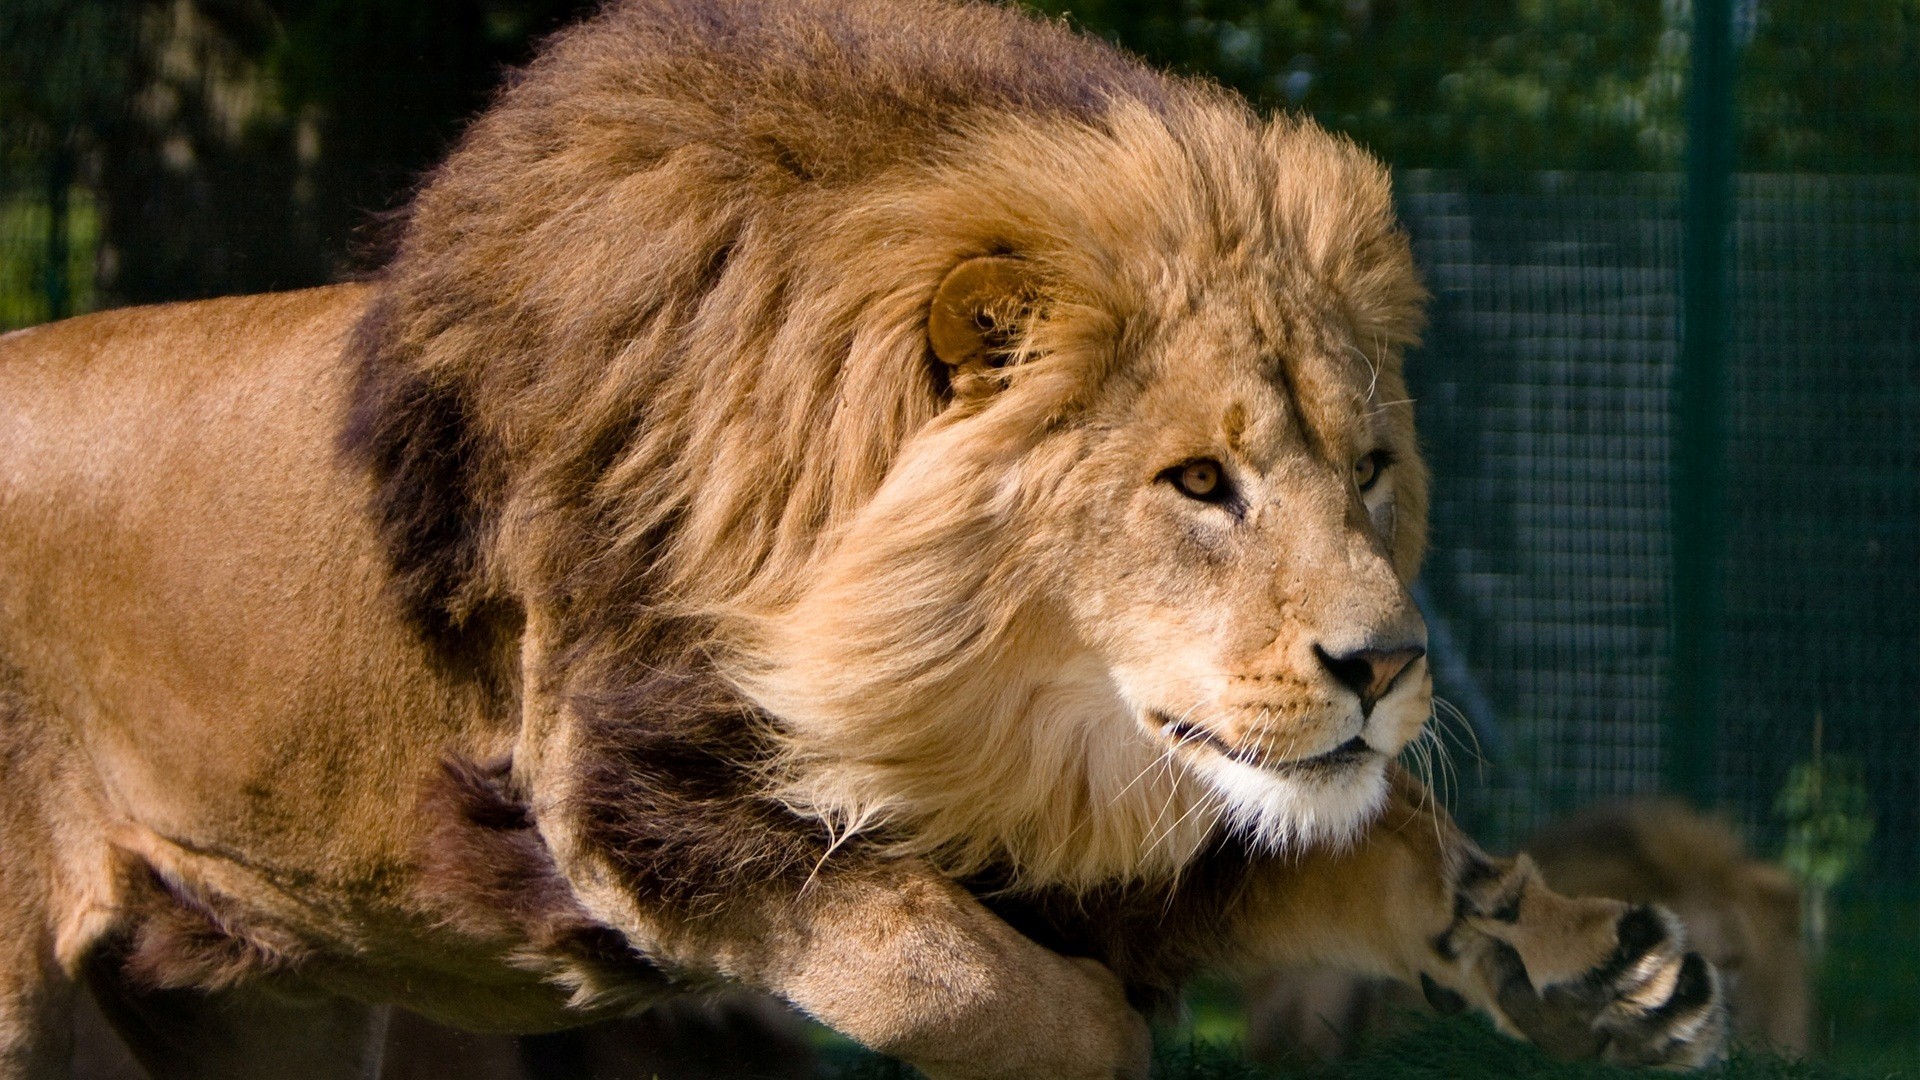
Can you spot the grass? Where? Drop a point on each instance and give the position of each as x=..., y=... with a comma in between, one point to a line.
x=1450, y=1048
x=1869, y=984
x=1445, y=1049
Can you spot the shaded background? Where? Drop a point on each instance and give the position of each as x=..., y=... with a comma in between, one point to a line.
x=1671, y=392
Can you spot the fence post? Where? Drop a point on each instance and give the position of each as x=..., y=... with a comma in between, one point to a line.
x=1697, y=466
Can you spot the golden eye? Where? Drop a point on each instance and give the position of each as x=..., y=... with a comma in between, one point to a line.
x=1367, y=470
x=1201, y=479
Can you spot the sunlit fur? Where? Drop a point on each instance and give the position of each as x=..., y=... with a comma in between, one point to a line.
x=1283, y=813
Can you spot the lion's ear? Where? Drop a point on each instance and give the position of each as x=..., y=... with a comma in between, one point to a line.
x=979, y=309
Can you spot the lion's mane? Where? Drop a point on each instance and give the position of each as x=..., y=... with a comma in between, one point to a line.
x=655, y=336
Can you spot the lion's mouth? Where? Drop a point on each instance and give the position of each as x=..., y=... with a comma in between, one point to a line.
x=1345, y=756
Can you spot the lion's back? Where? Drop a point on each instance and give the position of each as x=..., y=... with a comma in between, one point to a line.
x=111, y=416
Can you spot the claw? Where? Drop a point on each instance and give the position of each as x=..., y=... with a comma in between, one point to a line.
x=1687, y=1029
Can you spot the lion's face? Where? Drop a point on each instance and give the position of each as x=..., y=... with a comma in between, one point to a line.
x=1143, y=566
x=1235, y=560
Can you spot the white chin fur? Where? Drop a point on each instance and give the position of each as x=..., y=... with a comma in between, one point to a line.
x=1281, y=813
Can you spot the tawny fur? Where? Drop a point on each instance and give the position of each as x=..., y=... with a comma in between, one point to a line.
x=1741, y=912
x=180, y=939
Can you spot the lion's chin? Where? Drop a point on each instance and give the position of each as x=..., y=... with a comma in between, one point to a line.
x=1279, y=812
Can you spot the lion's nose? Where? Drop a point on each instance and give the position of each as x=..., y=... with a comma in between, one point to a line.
x=1370, y=673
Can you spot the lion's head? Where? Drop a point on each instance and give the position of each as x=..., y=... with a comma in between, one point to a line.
x=1034, y=454
x=1145, y=569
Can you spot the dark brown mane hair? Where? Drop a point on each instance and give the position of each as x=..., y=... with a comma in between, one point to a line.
x=532, y=320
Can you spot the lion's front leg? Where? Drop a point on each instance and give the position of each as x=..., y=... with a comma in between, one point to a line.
x=909, y=964
x=1416, y=900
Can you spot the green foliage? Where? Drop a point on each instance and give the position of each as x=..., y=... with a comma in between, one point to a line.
x=24, y=224
x=1832, y=85
x=1552, y=83
x=1547, y=84
x=1828, y=819
x=1828, y=822
x=62, y=66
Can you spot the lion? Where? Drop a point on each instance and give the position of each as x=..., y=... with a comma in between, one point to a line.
x=889, y=503
x=1742, y=913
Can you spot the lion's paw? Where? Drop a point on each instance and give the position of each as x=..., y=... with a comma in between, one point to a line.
x=1651, y=1002
x=1590, y=978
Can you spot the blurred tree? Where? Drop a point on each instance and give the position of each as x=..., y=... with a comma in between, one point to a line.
x=1549, y=84
x=63, y=64
x=1489, y=83
x=237, y=145
x=388, y=86
x=1831, y=86
x=63, y=73
x=197, y=167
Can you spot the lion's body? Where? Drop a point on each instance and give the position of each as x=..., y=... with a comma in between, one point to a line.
x=235, y=698
x=809, y=463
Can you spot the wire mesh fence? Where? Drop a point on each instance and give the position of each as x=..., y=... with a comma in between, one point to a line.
x=1546, y=393
x=1543, y=393
x=1546, y=396
x=1582, y=588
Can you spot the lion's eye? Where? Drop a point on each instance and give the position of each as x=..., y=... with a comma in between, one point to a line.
x=1367, y=470
x=1202, y=479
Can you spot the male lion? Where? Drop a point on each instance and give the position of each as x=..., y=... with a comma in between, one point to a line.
x=884, y=501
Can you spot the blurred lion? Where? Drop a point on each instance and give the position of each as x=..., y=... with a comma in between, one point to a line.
x=1742, y=913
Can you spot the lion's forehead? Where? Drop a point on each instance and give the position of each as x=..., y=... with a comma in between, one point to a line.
x=1283, y=326
x=1217, y=376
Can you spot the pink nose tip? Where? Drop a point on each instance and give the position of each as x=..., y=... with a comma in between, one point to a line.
x=1369, y=673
